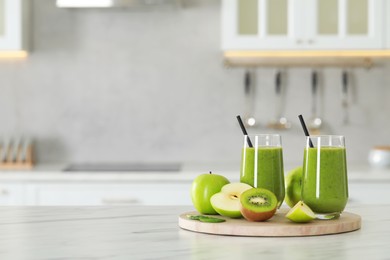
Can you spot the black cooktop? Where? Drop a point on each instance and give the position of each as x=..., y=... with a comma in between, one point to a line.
x=123, y=167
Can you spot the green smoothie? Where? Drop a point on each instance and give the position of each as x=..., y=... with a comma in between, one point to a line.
x=267, y=170
x=326, y=190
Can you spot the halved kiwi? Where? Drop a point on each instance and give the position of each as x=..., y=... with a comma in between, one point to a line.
x=258, y=204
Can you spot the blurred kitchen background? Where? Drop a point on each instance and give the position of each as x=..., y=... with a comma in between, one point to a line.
x=150, y=85
x=153, y=84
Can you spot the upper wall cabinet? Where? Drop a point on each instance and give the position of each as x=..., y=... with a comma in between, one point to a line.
x=13, y=25
x=303, y=24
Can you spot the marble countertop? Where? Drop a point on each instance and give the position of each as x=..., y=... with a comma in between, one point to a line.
x=54, y=173
x=153, y=233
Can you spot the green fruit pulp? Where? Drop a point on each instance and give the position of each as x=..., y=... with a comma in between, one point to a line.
x=326, y=190
x=259, y=200
x=268, y=169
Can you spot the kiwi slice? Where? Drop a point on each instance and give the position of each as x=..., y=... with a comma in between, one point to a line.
x=210, y=219
x=258, y=204
x=206, y=219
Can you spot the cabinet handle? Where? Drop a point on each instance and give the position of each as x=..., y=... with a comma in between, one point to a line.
x=3, y=192
x=310, y=41
x=120, y=201
x=299, y=41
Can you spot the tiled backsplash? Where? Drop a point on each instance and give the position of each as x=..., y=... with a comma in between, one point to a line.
x=125, y=85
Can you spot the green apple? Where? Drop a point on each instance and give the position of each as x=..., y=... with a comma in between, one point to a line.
x=301, y=213
x=227, y=202
x=203, y=187
x=293, y=186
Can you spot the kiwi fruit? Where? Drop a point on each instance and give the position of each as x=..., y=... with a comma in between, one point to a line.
x=258, y=204
x=206, y=219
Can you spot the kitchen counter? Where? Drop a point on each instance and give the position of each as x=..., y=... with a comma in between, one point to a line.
x=49, y=185
x=55, y=173
x=153, y=233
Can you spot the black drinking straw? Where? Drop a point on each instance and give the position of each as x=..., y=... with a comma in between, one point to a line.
x=244, y=131
x=305, y=130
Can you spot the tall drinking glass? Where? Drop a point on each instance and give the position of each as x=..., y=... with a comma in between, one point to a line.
x=262, y=164
x=325, y=182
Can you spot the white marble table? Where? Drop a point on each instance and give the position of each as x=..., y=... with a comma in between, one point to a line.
x=153, y=233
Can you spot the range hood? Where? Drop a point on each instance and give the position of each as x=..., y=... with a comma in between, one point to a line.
x=113, y=3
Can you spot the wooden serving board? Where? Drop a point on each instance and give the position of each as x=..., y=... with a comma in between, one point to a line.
x=277, y=226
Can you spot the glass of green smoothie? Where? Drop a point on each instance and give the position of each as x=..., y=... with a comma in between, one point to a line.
x=262, y=163
x=324, y=182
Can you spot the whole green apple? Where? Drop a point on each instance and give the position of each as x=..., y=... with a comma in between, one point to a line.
x=293, y=186
x=203, y=187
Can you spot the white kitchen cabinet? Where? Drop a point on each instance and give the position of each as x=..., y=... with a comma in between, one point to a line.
x=14, y=15
x=142, y=193
x=12, y=194
x=369, y=193
x=93, y=194
x=303, y=24
x=387, y=22
x=258, y=24
x=57, y=188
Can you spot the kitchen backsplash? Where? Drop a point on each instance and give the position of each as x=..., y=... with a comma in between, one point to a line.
x=123, y=85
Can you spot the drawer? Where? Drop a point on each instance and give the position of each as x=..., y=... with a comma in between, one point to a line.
x=11, y=194
x=111, y=194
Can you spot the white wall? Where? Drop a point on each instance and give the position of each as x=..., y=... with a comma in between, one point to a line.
x=127, y=85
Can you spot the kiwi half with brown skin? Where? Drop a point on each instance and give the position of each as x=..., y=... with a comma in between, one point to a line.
x=258, y=204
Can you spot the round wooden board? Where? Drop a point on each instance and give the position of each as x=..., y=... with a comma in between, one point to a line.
x=277, y=226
